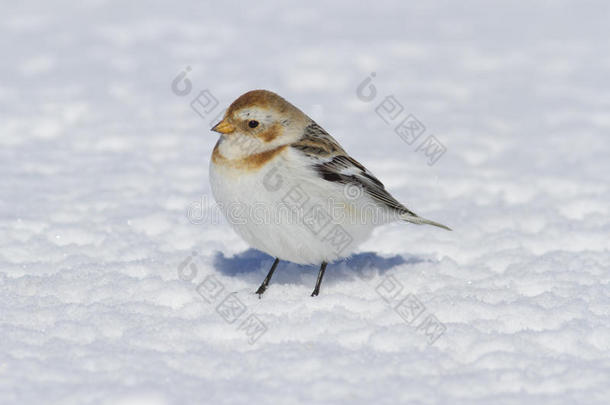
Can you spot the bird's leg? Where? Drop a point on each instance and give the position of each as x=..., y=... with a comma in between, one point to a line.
x=265, y=283
x=316, y=289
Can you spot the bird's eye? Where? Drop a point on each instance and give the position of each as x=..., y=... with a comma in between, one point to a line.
x=253, y=124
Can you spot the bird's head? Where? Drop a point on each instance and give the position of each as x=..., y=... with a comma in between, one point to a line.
x=257, y=121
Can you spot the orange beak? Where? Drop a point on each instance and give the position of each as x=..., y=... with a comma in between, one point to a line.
x=224, y=127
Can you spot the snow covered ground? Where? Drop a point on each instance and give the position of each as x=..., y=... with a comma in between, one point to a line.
x=104, y=197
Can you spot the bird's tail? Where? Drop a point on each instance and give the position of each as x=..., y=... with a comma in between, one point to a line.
x=414, y=219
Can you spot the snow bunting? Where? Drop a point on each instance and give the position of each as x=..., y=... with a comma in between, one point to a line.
x=290, y=190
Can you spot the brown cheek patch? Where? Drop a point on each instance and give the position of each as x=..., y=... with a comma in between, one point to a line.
x=273, y=132
x=252, y=162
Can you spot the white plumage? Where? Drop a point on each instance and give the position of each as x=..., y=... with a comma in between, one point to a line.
x=287, y=211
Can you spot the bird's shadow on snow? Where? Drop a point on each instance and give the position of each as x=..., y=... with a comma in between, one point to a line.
x=253, y=265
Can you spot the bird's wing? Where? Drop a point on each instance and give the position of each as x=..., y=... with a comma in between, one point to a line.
x=332, y=163
x=317, y=144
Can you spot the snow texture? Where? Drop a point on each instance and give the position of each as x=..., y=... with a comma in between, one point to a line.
x=104, y=197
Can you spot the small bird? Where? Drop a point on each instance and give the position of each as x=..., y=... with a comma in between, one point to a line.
x=290, y=190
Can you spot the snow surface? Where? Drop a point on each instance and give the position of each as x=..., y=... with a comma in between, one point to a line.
x=103, y=176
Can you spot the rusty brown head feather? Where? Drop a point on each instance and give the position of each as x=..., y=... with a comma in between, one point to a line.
x=263, y=115
x=260, y=98
x=257, y=127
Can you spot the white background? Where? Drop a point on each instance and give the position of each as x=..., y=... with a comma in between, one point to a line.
x=100, y=161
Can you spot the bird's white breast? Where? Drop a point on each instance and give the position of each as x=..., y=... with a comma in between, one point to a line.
x=285, y=210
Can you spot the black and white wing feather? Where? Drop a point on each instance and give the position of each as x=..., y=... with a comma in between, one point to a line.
x=333, y=164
